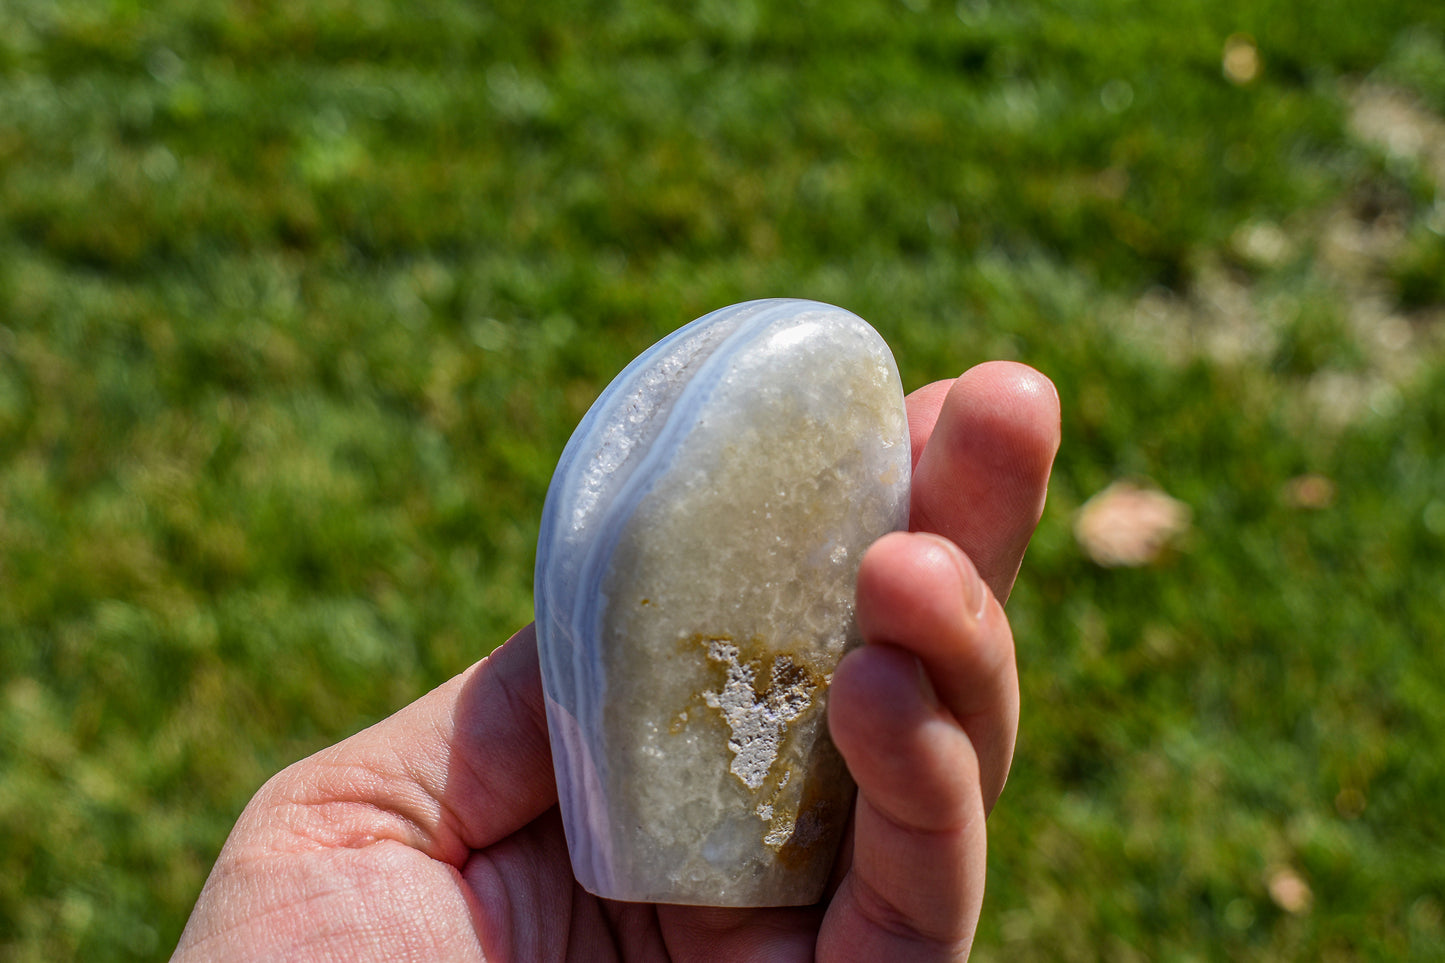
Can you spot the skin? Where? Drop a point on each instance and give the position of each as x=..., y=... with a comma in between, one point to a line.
x=434, y=834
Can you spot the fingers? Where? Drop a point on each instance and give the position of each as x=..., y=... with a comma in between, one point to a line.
x=727, y=935
x=924, y=404
x=925, y=715
x=983, y=450
x=457, y=770
x=916, y=883
x=919, y=592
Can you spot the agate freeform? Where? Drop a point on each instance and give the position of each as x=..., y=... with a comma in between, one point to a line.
x=694, y=592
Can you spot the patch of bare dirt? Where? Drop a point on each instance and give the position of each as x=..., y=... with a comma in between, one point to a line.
x=1229, y=316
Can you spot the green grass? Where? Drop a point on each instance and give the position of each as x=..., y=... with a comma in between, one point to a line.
x=299, y=303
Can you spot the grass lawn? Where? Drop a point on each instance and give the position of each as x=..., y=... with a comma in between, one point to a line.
x=300, y=301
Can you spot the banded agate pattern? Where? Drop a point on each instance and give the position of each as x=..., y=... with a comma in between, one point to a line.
x=694, y=591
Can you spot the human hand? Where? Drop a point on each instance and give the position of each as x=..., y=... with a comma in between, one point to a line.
x=434, y=834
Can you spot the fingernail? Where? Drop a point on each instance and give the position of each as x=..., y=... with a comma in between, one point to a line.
x=975, y=593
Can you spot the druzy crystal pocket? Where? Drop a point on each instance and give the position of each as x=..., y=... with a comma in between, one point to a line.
x=694, y=591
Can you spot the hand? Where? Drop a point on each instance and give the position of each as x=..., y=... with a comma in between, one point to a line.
x=435, y=834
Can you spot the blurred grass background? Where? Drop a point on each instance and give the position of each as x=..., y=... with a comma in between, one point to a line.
x=300, y=301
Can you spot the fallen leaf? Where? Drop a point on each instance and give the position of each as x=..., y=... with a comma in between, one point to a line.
x=1290, y=892
x=1129, y=525
x=1309, y=491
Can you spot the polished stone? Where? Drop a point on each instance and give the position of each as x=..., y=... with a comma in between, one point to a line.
x=694, y=591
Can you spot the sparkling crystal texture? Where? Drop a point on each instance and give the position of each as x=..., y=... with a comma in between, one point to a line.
x=694, y=591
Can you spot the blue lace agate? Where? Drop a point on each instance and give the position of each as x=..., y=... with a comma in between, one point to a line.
x=694, y=590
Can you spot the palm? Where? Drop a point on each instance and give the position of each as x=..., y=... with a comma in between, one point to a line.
x=435, y=833
x=564, y=921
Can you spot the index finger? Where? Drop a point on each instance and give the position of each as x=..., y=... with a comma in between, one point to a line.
x=984, y=445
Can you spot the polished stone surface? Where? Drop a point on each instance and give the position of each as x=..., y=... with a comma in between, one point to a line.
x=694, y=590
